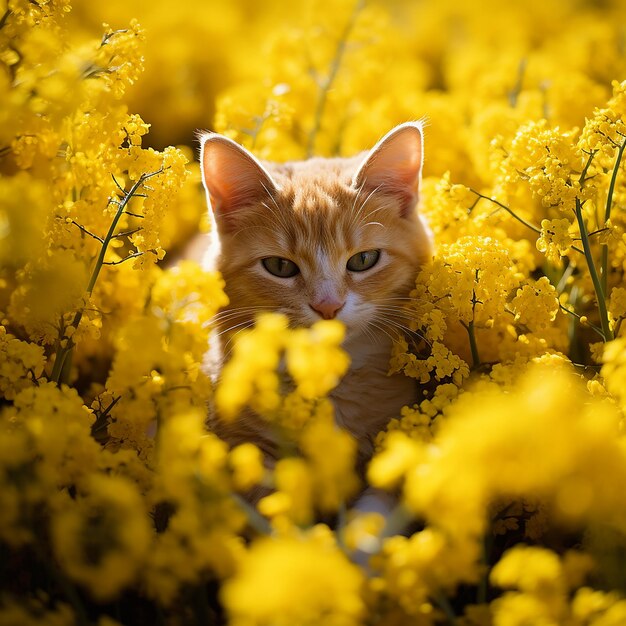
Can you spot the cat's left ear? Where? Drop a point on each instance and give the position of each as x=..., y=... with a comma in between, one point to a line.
x=394, y=167
x=233, y=178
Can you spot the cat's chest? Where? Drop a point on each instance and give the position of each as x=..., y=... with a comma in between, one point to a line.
x=367, y=398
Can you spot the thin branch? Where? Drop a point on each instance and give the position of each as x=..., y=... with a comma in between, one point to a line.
x=513, y=95
x=107, y=36
x=597, y=232
x=4, y=18
x=128, y=258
x=327, y=84
x=578, y=317
x=514, y=215
x=87, y=232
x=128, y=232
x=508, y=210
x=93, y=71
x=100, y=422
x=583, y=175
x=118, y=185
x=567, y=272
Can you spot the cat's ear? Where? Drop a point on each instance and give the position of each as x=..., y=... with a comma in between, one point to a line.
x=232, y=177
x=394, y=167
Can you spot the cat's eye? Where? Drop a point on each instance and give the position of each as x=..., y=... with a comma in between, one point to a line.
x=362, y=261
x=283, y=268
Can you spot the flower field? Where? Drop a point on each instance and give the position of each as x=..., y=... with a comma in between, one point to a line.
x=117, y=506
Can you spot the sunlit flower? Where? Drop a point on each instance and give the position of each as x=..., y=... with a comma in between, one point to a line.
x=295, y=580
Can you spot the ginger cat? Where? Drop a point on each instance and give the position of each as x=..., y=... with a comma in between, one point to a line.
x=320, y=239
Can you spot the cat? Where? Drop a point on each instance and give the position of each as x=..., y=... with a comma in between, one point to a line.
x=325, y=238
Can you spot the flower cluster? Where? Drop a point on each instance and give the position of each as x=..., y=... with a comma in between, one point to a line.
x=494, y=500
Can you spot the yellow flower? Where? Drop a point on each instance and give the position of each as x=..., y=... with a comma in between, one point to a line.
x=251, y=370
x=293, y=498
x=21, y=365
x=530, y=569
x=555, y=240
x=413, y=568
x=536, y=305
x=617, y=305
x=614, y=369
x=34, y=611
x=58, y=428
x=293, y=581
x=315, y=360
x=102, y=537
x=332, y=454
x=247, y=463
x=522, y=132
x=393, y=462
x=543, y=581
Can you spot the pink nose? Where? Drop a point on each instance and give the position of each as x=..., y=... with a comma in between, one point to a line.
x=327, y=309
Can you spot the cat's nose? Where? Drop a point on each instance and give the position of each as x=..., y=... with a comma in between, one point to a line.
x=327, y=308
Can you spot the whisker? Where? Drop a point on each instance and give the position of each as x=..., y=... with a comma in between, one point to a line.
x=357, y=196
x=278, y=214
x=381, y=329
x=363, y=328
x=280, y=218
x=357, y=215
x=242, y=310
x=228, y=347
x=405, y=330
x=224, y=331
x=405, y=310
x=403, y=313
x=376, y=210
x=256, y=227
x=397, y=298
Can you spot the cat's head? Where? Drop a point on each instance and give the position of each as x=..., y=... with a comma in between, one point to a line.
x=318, y=239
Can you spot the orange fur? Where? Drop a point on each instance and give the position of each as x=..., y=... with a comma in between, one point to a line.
x=317, y=214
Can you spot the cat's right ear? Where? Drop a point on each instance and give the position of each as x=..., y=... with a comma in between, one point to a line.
x=394, y=167
x=232, y=177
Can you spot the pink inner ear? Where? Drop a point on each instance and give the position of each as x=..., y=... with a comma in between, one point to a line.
x=232, y=176
x=394, y=166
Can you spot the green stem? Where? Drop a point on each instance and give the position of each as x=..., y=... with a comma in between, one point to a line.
x=604, y=266
x=396, y=522
x=62, y=354
x=58, y=365
x=327, y=84
x=604, y=317
x=446, y=607
x=471, y=333
x=255, y=519
x=483, y=585
x=473, y=345
x=66, y=585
